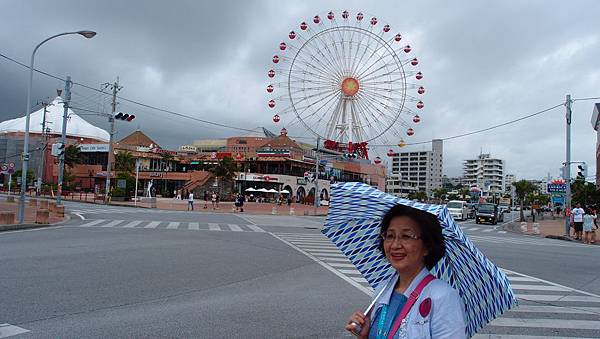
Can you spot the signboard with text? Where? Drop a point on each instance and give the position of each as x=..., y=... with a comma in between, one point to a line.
x=557, y=188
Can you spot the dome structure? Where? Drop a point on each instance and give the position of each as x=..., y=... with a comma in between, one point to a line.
x=76, y=126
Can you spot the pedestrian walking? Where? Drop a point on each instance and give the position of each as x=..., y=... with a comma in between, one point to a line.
x=213, y=199
x=217, y=200
x=577, y=219
x=205, y=199
x=191, y=201
x=595, y=226
x=588, y=225
x=178, y=194
x=289, y=201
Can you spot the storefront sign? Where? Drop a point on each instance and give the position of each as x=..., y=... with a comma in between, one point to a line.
x=300, y=181
x=273, y=153
x=156, y=175
x=557, y=188
x=88, y=148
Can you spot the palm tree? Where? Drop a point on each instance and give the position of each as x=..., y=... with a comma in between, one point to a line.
x=440, y=193
x=522, y=189
x=224, y=169
x=124, y=162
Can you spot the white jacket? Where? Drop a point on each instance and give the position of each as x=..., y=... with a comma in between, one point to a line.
x=446, y=320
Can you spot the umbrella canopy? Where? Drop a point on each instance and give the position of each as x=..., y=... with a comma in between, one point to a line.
x=250, y=189
x=262, y=190
x=273, y=191
x=353, y=225
x=284, y=191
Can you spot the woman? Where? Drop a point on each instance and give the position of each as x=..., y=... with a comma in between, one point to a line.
x=412, y=242
x=588, y=225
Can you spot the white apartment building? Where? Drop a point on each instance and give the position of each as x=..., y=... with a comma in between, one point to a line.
x=422, y=167
x=486, y=173
x=400, y=187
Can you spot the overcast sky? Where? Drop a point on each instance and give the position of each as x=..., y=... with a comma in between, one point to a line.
x=486, y=62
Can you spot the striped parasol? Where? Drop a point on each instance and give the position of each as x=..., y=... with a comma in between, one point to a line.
x=353, y=225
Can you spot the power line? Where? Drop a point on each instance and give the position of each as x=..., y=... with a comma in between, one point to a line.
x=485, y=129
x=249, y=130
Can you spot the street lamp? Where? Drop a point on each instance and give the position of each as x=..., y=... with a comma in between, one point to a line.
x=25, y=155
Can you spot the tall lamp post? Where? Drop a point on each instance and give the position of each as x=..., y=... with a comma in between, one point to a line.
x=25, y=155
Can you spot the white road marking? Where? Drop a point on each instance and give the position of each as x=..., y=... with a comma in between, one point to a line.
x=93, y=223
x=545, y=297
x=509, y=272
x=235, y=228
x=488, y=230
x=354, y=272
x=539, y=287
x=194, y=226
x=321, y=254
x=255, y=228
x=152, y=224
x=33, y=230
x=473, y=229
x=556, y=309
x=516, y=278
x=334, y=264
x=8, y=330
x=132, y=224
x=79, y=215
x=112, y=223
x=173, y=225
x=214, y=227
x=352, y=282
x=511, y=336
x=548, y=323
x=321, y=249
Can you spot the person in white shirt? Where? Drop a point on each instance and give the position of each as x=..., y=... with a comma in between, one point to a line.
x=191, y=201
x=577, y=219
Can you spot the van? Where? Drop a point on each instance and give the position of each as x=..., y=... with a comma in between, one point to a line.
x=459, y=210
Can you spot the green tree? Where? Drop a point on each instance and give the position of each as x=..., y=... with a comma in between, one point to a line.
x=225, y=170
x=440, y=193
x=584, y=193
x=72, y=156
x=464, y=193
x=129, y=189
x=420, y=196
x=124, y=162
x=17, y=174
x=522, y=189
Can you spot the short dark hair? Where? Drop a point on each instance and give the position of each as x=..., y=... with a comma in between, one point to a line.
x=431, y=231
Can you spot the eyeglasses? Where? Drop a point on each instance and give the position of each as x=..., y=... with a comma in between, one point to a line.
x=402, y=239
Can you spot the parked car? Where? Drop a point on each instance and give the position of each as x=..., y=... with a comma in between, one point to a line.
x=458, y=209
x=487, y=213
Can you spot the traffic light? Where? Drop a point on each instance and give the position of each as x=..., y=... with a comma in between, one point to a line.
x=124, y=116
x=582, y=171
x=58, y=149
x=350, y=155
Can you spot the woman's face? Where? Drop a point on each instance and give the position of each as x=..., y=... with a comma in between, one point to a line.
x=403, y=246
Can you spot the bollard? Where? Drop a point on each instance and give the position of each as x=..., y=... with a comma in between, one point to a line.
x=7, y=218
x=524, y=227
x=51, y=206
x=43, y=204
x=536, y=228
x=42, y=216
x=60, y=210
x=274, y=210
x=292, y=211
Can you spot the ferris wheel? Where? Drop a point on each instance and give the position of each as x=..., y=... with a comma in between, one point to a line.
x=347, y=79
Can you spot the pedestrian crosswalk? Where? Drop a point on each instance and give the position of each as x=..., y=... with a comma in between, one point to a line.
x=546, y=309
x=169, y=225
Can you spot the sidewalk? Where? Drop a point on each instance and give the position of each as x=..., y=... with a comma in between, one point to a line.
x=30, y=212
x=549, y=227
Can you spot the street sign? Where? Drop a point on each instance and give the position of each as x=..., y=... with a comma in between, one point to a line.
x=122, y=183
x=11, y=171
x=557, y=188
x=4, y=167
x=11, y=164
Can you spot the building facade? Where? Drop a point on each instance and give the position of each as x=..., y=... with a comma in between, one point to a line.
x=423, y=167
x=400, y=187
x=485, y=173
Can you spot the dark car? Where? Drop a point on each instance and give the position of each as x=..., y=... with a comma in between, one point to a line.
x=487, y=213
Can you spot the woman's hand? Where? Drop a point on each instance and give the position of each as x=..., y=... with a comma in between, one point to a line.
x=359, y=324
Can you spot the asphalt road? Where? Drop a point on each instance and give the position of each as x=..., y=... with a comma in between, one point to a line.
x=137, y=273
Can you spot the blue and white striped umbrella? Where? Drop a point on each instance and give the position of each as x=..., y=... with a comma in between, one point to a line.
x=353, y=225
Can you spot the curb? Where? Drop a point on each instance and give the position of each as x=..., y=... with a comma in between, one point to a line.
x=16, y=227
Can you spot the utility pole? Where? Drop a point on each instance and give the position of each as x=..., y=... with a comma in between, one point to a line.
x=568, y=168
x=111, y=120
x=43, y=150
x=317, y=194
x=61, y=157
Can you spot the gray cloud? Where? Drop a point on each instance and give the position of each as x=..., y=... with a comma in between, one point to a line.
x=484, y=63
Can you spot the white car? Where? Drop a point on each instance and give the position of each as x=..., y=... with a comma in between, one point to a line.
x=459, y=210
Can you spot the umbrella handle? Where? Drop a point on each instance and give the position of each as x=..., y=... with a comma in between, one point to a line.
x=357, y=327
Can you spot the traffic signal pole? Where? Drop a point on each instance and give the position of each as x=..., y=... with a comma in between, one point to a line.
x=63, y=137
x=111, y=120
x=568, y=168
x=317, y=193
